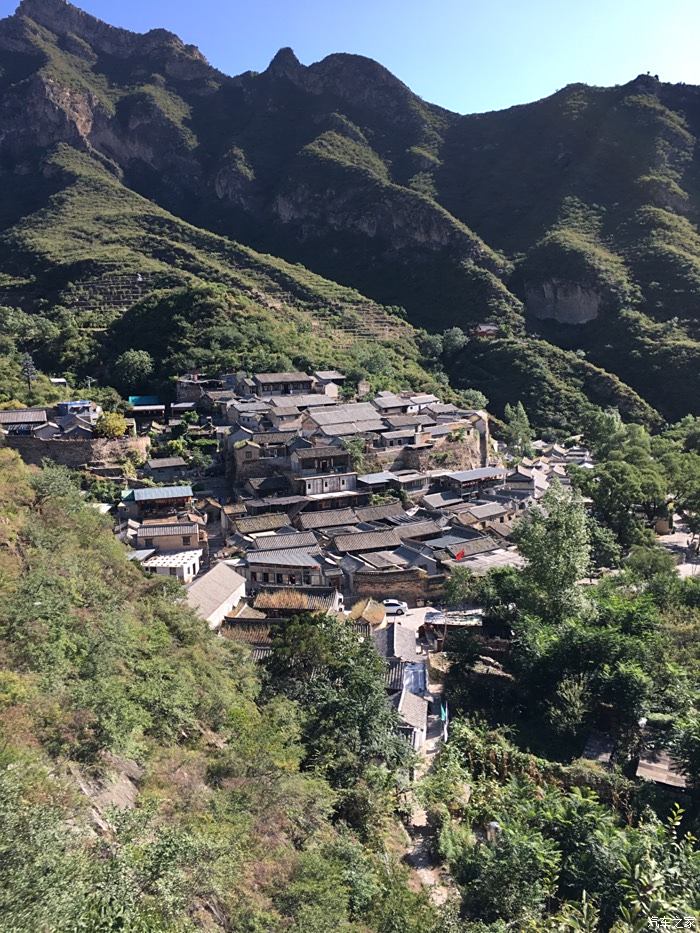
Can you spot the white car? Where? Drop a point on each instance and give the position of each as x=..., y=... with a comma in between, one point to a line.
x=395, y=607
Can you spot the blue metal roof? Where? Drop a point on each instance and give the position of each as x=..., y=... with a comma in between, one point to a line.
x=144, y=400
x=153, y=493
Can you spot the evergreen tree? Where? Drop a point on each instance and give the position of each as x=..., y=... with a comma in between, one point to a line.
x=518, y=430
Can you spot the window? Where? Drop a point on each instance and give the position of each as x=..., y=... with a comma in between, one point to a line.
x=249, y=455
x=266, y=578
x=173, y=572
x=149, y=542
x=253, y=577
x=292, y=579
x=186, y=539
x=307, y=578
x=278, y=577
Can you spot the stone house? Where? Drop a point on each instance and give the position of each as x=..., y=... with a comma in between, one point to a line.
x=166, y=469
x=216, y=593
x=319, y=460
x=296, y=567
x=282, y=383
x=175, y=536
x=138, y=503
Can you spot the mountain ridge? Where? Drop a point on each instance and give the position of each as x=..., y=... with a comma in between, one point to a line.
x=553, y=219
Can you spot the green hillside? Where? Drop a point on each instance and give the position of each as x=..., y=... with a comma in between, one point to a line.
x=149, y=781
x=573, y=219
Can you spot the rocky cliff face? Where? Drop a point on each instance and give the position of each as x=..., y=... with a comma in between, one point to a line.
x=564, y=302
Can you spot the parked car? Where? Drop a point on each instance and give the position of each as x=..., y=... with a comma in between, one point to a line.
x=395, y=607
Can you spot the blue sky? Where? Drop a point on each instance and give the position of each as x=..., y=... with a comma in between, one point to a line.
x=468, y=55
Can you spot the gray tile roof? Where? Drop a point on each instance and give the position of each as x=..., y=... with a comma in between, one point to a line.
x=282, y=542
x=282, y=377
x=310, y=453
x=414, y=710
x=163, y=463
x=405, y=645
x=25, y=416
x=376, y=478
x=408, y=530
x=437, y=500
x=326, y=518
x=273, y=437
x=393, y=674
x=487, y=510
x=467, y=476
x=160, y=531
x=296, y=599
x=212, y=589
x=266, y=521
x=343, y=414
x=292, y=557
x=367, y=541
x=376, y=513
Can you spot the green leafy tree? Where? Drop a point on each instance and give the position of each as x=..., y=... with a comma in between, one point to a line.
x=473, y=398
x=132, y=369
x=511, y=879
x=461, y=587
x=686, y=746
x=453, y=340
x=554, y=539
x=605, y=550
x=616, y=488
x=349, y=726
x=111, y=425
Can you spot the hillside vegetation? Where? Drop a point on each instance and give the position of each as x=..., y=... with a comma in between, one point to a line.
x=573, y=218
x=148, y=781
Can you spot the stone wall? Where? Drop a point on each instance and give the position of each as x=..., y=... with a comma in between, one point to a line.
x=75, y=453
x=414, y=586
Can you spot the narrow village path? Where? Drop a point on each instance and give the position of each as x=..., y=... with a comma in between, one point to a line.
x=419, y=855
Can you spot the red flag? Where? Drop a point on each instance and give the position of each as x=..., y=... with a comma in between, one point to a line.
x=459, y=555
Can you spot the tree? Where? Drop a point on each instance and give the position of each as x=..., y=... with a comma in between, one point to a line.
x=685, y=745
x=605, y=551
x=348, y=724
x=513, y=878
x=132, y=369
x=460, y=587
x=453, y=340
x=111, y=425
x=355, y=446
x=29, y=371
x=518, y=430
x=568, y=711
x=554, y=539
x=55, y=481
x=615, y=488
x=475, y=399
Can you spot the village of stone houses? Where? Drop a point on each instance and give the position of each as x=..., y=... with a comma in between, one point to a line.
x=314, y=500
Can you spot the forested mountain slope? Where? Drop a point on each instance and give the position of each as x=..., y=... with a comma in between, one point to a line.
x=574, y=217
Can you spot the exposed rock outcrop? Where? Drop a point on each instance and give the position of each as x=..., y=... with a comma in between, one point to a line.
x=565, y=302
